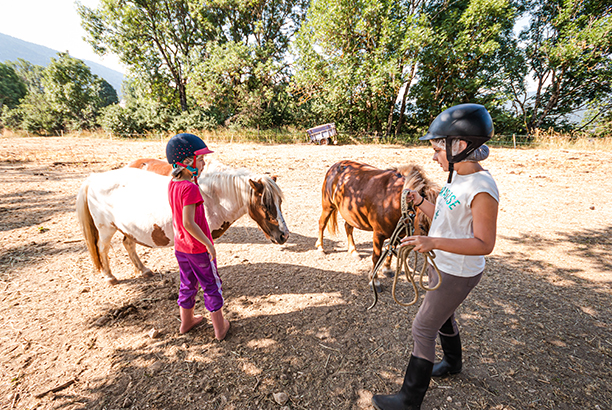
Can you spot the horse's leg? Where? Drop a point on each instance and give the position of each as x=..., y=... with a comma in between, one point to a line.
x=106, y=234
x=130, y=247
x=326, y=213
x=352, y=249
x=387, y=271
x=378, y=241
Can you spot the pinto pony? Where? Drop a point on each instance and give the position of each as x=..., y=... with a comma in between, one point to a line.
x=135, y=202
x=369, y=199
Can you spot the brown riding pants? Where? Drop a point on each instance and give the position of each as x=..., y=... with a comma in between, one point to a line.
x=437, y=308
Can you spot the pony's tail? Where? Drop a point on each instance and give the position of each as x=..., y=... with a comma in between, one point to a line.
x=332, y=223
x=90, y=232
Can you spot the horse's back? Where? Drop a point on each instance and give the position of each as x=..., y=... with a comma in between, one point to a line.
x=355, y=179
x=134, y=201
x=157, y=166
x=367, y=197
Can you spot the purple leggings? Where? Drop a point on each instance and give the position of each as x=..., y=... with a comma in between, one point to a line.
x=197, y=270
x=438, y=309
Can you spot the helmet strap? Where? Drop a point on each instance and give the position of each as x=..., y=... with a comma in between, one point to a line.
x=452, y=159
x=191, y=169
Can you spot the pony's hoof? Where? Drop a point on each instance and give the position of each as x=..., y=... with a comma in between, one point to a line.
x=355, y=255
x=147, y=273
x=112, y=281
x=320, y=249
x=388, y=272
x=378, y=285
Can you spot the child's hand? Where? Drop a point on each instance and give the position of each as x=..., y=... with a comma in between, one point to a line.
x=212, y=252
x=421, y=243
x=414, y=197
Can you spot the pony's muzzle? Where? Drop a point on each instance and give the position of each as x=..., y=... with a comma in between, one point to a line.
x=282, y=238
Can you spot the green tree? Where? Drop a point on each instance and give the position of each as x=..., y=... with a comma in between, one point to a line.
x=39, y=115
x=472, y=52
x=107, y=95
x=12, y=89
x=30, y=74
x=568, y=52
x=73, y=91
x=355, y=60
x=245, y=72
x=158, y=40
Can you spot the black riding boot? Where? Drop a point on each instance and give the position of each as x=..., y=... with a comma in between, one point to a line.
x=410, y=396
x=451, y=362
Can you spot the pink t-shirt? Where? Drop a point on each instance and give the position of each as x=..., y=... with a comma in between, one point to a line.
x=180, y=194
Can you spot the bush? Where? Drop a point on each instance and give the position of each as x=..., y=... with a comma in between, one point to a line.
x=119, y=121
x=39, y=116
x=193, y=120
x=11, y=118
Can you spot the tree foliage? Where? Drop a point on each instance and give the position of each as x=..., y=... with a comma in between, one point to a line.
x=30, y=74
x=12, y=89
x=371, y=66
x=159, y=40
x=63, y=96
x=568, y=50
x=245, y=73
x=471, y=52
x=74, y=92
x=354, y=57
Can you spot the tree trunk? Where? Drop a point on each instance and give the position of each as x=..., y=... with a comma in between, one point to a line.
x=182, y=96
x=400, y=122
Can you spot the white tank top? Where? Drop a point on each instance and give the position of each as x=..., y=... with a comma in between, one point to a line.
x=453, y=219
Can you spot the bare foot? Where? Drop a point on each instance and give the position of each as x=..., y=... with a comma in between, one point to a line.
x=188, y=324
x=225, y=330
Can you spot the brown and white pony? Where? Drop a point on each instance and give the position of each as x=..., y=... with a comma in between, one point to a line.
x=135, y=202
x=369, y=199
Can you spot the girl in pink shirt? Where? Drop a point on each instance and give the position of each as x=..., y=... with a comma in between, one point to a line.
x=193, y=243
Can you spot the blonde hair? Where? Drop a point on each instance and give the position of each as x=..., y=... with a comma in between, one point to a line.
x=177, y=170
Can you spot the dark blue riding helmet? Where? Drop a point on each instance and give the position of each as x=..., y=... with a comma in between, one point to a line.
x=185, y=145
x=469, y=122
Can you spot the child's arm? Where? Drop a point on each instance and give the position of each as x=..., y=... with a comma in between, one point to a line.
x=195, y=231
x=484, y=214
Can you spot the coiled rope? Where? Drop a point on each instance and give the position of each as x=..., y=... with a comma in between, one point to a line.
x=405, y=225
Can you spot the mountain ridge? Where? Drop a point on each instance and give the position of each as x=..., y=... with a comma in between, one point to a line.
x=12, y=48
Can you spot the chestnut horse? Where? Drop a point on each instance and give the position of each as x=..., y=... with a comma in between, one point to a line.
x=158, y=166
x=369, y=199
x=135, y=202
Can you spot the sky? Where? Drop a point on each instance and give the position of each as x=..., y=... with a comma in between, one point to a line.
x=54, y=24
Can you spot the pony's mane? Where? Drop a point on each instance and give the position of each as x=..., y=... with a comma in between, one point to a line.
x=415, y=179
x=235, y=182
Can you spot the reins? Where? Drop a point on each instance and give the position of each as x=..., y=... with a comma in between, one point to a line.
x=404, y=225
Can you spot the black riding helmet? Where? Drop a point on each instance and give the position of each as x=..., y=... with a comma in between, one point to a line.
x=469, y=122
x=182, y=146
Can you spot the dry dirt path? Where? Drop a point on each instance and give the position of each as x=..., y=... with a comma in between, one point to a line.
x=537, y=331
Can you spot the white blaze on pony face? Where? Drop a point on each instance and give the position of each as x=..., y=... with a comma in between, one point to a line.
x=229, y=193
x=265, y=209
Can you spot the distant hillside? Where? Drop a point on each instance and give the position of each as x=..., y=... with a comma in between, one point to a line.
x=12, y=48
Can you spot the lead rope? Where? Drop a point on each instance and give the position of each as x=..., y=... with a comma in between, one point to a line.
x=406, y=224
x=403, y=257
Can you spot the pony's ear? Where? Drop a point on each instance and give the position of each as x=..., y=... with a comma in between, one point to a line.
x=274, y=177
x=256, y=185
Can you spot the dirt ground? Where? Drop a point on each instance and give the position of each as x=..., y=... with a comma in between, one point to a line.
x=537, y=331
